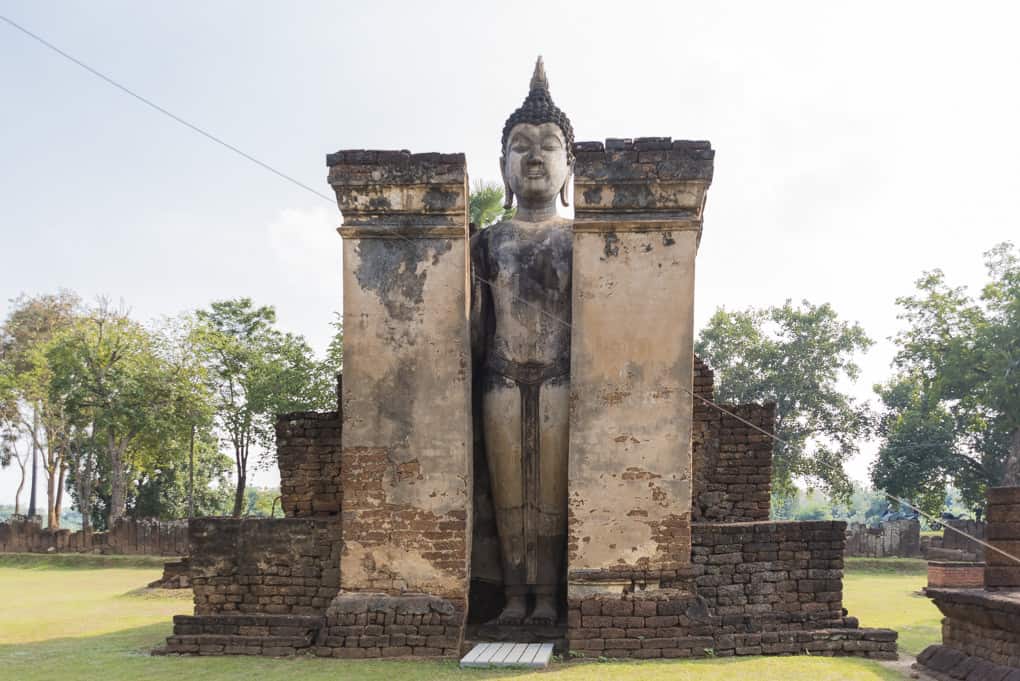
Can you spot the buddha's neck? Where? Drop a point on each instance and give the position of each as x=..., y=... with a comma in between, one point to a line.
x=536, y=213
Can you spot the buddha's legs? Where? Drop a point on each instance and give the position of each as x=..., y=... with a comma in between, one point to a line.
x=554, y=408
x=529, y=489
x=501, y=421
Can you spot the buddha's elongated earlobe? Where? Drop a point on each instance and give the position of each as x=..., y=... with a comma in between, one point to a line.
x=508, y=194
x=563, y=189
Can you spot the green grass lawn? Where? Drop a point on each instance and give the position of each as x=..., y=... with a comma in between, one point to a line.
x=88, y=619
x=885, y=592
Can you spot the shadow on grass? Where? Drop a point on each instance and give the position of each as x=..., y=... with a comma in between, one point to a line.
x=124, y=656
x=79, y=561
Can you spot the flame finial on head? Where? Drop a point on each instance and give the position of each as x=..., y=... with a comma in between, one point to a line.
x=538, y=79
x=538, y=108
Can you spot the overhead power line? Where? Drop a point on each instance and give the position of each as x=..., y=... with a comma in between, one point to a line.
x=148, y=102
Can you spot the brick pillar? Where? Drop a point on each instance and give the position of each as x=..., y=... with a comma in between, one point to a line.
x=406, y=440
x=1003, y=531
x=637, y=226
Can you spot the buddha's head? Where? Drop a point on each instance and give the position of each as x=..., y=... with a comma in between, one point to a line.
x=538, y=141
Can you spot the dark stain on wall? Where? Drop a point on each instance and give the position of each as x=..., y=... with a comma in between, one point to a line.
x=392, y=269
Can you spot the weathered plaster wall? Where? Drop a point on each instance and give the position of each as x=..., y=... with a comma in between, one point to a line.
x=637, y=224
x=406, y=454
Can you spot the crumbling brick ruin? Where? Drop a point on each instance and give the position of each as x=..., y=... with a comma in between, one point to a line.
x=389, y=547
x=264, y=587
x=981, y=627
x=732, y=462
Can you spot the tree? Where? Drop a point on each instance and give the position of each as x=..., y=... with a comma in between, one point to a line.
x=10, y=431
x=257, y=372
x=31, y=324
x=263, y=503
x=10, y=435
x=333, y=365
x=951, y=414
x=797, y=357
x=485, y=205
x=123, y=397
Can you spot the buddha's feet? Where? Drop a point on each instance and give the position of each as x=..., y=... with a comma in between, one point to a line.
x=544, y=613
x=514, y=612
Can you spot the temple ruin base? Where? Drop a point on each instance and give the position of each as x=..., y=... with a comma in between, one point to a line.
x=758, y=588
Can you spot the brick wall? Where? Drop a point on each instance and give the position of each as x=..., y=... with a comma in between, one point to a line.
x=1003, y=533
x=308, y=453
x=957, y=542
x=264, y=565
x=370, y=520
x=759, y=588
x=789, y=572
x=732, y=460
x=953, y=575
x=128, y=536
x=376, y=625
x=977, y=624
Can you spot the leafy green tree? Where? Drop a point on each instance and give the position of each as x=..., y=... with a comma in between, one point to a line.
x=164, y=490
x=257, y=372
x=263, y=502
x=128, y=400
x=10, y=436
x=951, y=413
x=485, y=205
x=797, y=357
x=333, y=365
x=32, y=323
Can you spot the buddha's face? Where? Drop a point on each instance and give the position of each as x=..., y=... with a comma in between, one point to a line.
x=535, y=163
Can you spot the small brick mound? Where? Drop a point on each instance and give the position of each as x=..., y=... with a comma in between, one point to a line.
x=176, y=575
x=949, y=664
x=980, y=623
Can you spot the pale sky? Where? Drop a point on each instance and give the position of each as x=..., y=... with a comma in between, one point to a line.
x=856, y=144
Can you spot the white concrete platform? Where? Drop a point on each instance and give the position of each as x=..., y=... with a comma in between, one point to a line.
x=532, y=655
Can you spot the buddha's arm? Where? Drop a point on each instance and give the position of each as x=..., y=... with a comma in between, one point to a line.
x=481, y=297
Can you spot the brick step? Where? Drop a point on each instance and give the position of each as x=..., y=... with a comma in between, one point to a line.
x=216, y=644
x=247, y=634
x=248, y=625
